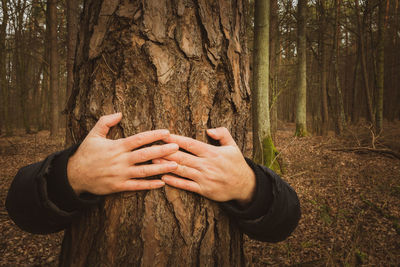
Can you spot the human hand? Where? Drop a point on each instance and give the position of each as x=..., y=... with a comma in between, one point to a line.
x=219, y=173
x=102, y=166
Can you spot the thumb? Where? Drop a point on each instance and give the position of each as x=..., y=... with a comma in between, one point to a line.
x=222, y=135
x=105, y=122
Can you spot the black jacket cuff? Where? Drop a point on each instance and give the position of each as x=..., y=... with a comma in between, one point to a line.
x=58, y=189
x=261, y=201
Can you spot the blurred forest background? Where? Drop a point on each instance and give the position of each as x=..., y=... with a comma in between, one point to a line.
x=352, y=62
x=342, y=56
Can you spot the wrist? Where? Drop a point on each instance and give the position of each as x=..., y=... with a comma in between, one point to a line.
x=72, y=175
x=249, y=187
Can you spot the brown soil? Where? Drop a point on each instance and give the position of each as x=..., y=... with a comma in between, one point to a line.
x=350, y=202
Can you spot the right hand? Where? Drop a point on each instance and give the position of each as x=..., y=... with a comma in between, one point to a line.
x=103, y=166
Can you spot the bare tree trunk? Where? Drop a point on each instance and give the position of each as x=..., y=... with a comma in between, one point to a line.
x=264, y=151
x=364, y=69
x=354, y=107
x=72, y=35
x=273, y=64
x=3, y=71
x=54, y=67
x=341, y=118
x=324, y=70
x=380, y=65
x=301, y=98
x=183, y=67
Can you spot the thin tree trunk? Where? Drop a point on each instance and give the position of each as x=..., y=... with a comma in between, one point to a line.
x=361, y=33
x=380, y=65
x=324, y=71
x=72, y=35
x=354, y=106
x=264, y=151
x=3, y=71
x=341, y=118
x=301, y=98
x=273, y=64
x=54, y=67
x=186, y=80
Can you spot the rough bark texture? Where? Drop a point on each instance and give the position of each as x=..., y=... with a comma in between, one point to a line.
x=180, y=65
x=301, y=97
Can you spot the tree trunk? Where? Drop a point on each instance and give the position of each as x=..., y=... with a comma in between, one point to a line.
x=361, y=32
x=380, y=66
x=72, y=35
x=263, y=148
x=54, y=67
x=180, y=66
x=301, y=97
x=324, y=70
x=341, y=118
x=3, y=71
x=273, y=64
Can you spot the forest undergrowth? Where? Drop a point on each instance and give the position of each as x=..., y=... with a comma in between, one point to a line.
x=350, y=201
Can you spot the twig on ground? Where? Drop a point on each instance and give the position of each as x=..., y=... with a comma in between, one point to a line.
x=384, y=152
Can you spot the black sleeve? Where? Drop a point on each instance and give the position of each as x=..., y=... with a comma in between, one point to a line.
x=274, y=211
x=40, y=199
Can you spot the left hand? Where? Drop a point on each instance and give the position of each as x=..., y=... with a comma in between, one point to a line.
x=219, y=173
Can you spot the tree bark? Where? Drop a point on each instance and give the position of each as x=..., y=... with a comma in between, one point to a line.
x=301, y=97
x=3, y=71
x=273, y=64
x=341, y=118
x=54, y=67
x=324, y=70
x=263, y=148
x=361, y=33
x=72, y=36
x=180, y=66
x=380, y=66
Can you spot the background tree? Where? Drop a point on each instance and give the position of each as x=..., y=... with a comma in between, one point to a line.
x=301, y=99
x=54, y=66
x=3, y=71
x=163, y=65
x=263, y=148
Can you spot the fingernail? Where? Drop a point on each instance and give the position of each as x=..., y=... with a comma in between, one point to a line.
x=211, y=131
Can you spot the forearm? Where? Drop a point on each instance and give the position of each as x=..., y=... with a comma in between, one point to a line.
x=39, y=200
x=274, y=212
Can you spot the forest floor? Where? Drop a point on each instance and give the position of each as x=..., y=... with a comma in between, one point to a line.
x=350, y=201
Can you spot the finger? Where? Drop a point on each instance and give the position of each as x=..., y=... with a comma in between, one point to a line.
x=187, y=172
x=135, y=185
x=189, y=144
x=222, y=135
x=143, y=171
x=144, y=138
x=183, y=158
x=181, y=183
x=158, y=161
x=152, y=152
x=104, y=124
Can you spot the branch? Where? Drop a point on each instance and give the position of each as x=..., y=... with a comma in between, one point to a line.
x=384, y=152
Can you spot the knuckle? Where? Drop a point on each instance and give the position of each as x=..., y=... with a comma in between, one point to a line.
x=141, y=172
x=102, y=119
